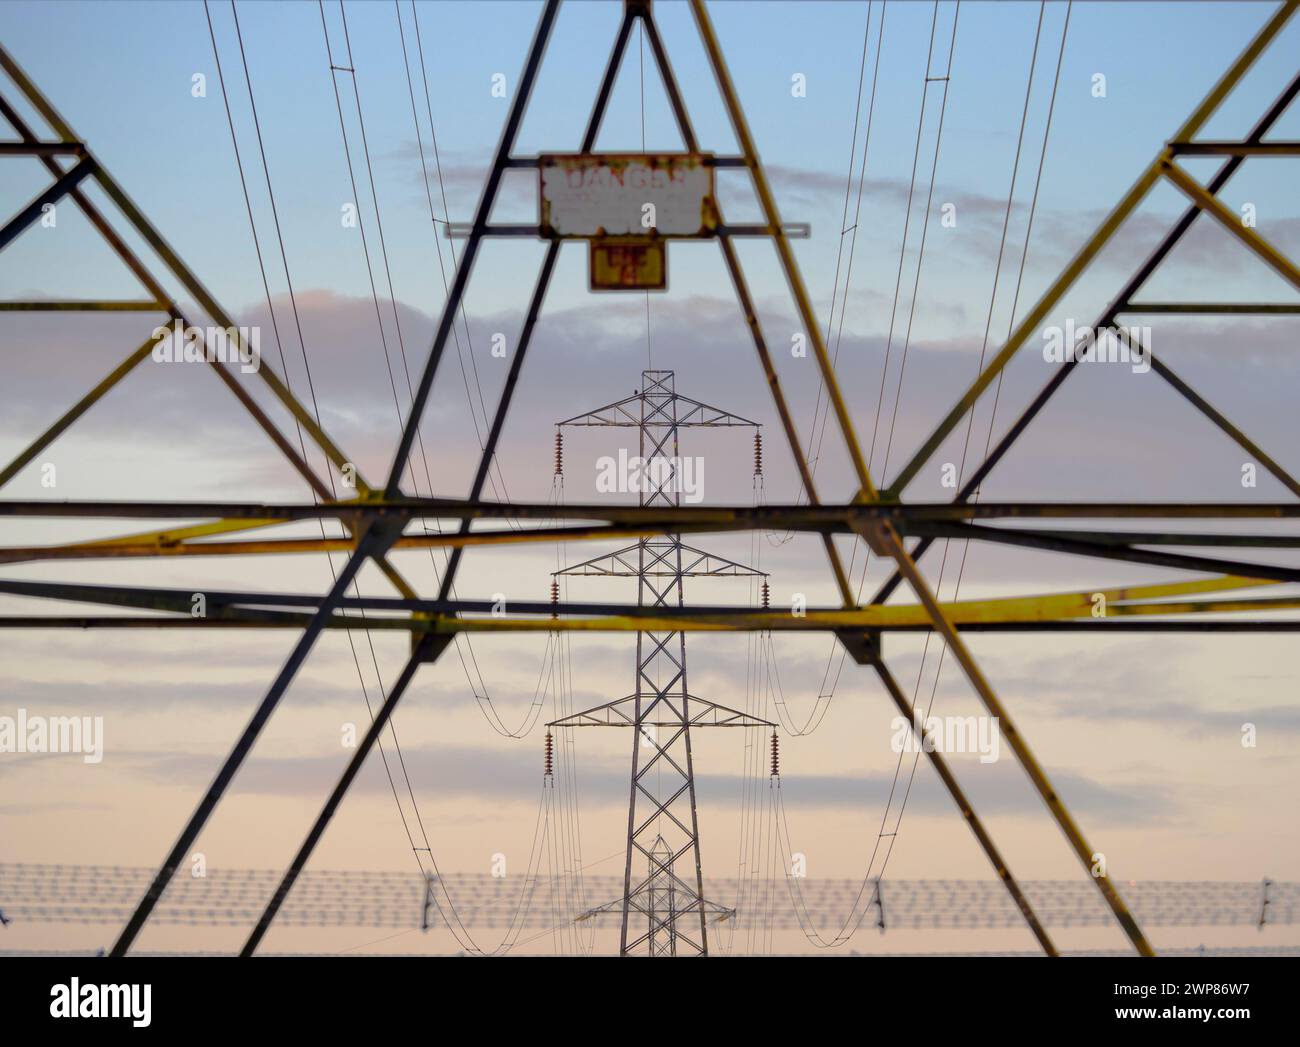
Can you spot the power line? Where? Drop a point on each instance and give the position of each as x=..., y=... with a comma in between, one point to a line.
x=983, y=349
x=302, y=341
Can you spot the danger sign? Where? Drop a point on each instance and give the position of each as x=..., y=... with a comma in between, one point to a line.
x=626, y=195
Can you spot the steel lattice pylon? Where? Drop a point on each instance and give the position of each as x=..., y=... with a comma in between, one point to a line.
x=376, y=521
x=662, y=818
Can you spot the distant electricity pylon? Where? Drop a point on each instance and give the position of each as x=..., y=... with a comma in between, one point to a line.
x=627, y=253
x=663, y=834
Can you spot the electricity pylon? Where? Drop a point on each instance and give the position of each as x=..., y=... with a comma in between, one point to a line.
x=662, y=823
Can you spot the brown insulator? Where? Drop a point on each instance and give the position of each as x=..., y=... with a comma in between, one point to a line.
x=550, y=755
x=555, y=597
x=559, y=453
x=776, y=757
x=767, y=596
x=758, y=453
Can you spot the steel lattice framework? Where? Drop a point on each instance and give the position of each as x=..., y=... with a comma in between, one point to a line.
x=376, y=520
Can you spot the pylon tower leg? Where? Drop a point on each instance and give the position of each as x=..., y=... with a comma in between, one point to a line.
x=663, y=827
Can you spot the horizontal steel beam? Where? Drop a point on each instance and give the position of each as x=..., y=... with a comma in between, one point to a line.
x=526, y=230
x=422, y=625
x=1112, y=545
x=1213, y=308
x=743, y=517
x=706, y=160
x=1128, y=600
x=1217, y=148
x=42, y=149
x=141, y=305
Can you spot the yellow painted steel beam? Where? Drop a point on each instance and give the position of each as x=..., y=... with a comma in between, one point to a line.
x=164, y=542
x=1051, y=607
x=138, y=305
x=1174, y=608
x=170, y=543
x=1231, y=221
x=1155, y=599
x=175, y=542
x=867, y=617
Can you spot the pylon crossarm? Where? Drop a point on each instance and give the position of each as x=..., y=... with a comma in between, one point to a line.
x=700, y=564
x=622, y=713
x=620, y=413
x=622, y=564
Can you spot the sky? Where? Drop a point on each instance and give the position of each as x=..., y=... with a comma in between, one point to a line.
x=1142, y=735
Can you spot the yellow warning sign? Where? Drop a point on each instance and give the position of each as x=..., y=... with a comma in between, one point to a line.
x=628, y=266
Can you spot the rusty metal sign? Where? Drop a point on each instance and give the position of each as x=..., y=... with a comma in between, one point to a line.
x=637, y=195
x=628, y=265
